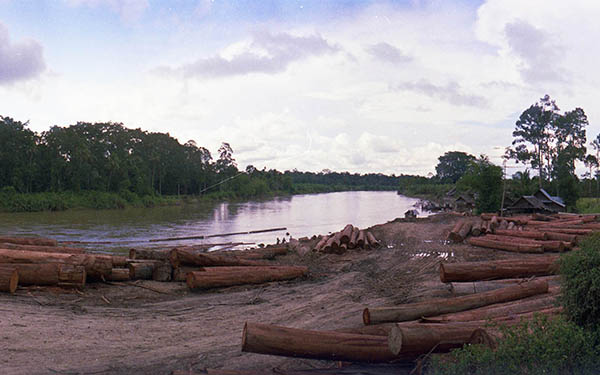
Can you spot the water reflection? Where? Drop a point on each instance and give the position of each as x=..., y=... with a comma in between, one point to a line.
x=303, y=215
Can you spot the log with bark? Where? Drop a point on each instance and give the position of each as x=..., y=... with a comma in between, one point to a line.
x=321, y=243
x=29, y=241
x=44, y=249
x=217, y=277
x=333, y=244
x=269, y=252
x=143, y=270
x=547, y=245
x=454, y=235
x=535, y=235
x=476, y=229
x=583, y=232
x=372, y=240
x=162, y=271
x=96, y=266
x=346, y=233
x=9, y=279
x=119, y=274
x=412, y=342
x=499, y=269
x=441, y=306
x=180, y=257
x=471, y=287
x=325, y=345
x=180, y=273
x=150, y=254
x=506, y=246
x=571, y=238
x=353, y=238
x=360, y=239
x=54, y=274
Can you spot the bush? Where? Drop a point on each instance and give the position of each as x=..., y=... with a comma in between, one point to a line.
x=541, y=346
x=581, y=283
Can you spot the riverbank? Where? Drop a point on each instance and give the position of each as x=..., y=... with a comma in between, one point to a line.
x=11, y=201
x=154, y=328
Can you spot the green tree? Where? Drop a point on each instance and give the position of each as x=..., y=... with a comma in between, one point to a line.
x=485, y=179
x=453, y=165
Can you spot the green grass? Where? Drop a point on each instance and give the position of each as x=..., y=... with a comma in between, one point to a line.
x=588, y=205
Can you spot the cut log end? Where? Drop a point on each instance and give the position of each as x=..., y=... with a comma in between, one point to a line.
x=395, y=340
x=366, y=317
x=9, y=279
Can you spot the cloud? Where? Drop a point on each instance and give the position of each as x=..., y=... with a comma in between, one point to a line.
x=128, y=10
x=19, y=61
x=386, y=52
x=535, y=48
x=449, y=93
x=267, y=53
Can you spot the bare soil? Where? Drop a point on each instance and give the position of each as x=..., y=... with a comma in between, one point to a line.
x=153, y=328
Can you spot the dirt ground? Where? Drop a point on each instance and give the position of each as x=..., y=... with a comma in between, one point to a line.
x=148, y=327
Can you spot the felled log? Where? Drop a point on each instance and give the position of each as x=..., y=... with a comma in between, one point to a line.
x=118, y=261
x=333, y=243
x=476, y=229
x=582, y=232
x=142, y=270
x=55, y=274
x=217, y=277
x=454, y=235
x=180, y=257
x=96, y=266
x=29, y=241
x=269, y=252
x=465, y=229
x=372, y=240
x=119, y=274
x=494, y=223
x=572, y=238
x=9, y=279
x=346, y=233
x=326, y=345
x=44, y=249
x=548, y=245
x=511, y=226
x=506, y=246
x=361, y=239
x=353, y=238
x=180, y=273
x=319, y=246
x=503, y=225
x=150, y=254
x=162, y=271
x=525, y=234
x=499, y=269
x=412, y=342
x=471, y=287
x=440, y=306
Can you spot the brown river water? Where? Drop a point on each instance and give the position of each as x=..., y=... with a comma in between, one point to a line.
x=302, y=215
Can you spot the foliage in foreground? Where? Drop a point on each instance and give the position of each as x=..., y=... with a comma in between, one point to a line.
x=541, y=346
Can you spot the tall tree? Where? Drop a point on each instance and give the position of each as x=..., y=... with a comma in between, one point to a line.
x=485, y=179
x=453, y=165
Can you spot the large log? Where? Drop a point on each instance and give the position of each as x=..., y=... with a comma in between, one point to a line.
x=180, y=257
x=372, y=240
x=476, y=229
x=499, y=269
x=96, y=266
x=269, y=252
x=412, y=342
x=9, y=279
x=346, y=234
x=506, y=246
x=471, y=287
x=319, y=246
x=441, y=306
x=333, y=244
x=571, y=238
x=582, y=232
x=142, y=270
x=453, y=235
x=44, y=249
x=535, y=235
x=150, y=254
x=180, y=273
x=29, y=241
x=162, y=272
x=361, y=239
x=55, y=274
x=119, y=274
x=353, y=238
x=548, y=245
x=327, y=345
x=217, y=277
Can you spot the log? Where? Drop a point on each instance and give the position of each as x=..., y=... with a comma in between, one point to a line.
x=582, y=232
x=162, y=272
x=511, y=226
x=217, y=277
x=29, y=241
x=412, y=342
x=353, y=238
x=471, y=287
x=572, y=238
x=441, y=306
x=346, y=233
x=333, y=243
x=476, y=229
x=9, y=279
x=372, y=240
x=494, y=223
x=150, y=254
x=96, y=266
x=180, y=257
x=254, y=254
x=506, y=246
x=326, y=345
x=361, y=239
x=180, y=273
x=499, y=269
x=546, y=245
x=453, y=235
x=321, y=243
x=525, y=234
x=53, y=274
x=119, y=274
x=464, y=231
x=503, y=225
x=118, y=261
x=142, y=271
x=44, y=249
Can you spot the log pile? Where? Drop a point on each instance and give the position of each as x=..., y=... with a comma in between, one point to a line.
x=348, y=238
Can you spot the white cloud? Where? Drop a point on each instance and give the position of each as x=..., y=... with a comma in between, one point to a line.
x=386, y=52
x=19, y=61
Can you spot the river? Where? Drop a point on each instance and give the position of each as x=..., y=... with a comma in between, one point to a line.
x=302, y=215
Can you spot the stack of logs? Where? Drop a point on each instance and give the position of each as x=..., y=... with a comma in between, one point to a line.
x=409, y=331
x=42, y=262
x=535, y=233
x=348, y=238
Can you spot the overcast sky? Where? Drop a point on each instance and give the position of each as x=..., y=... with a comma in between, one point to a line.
x=359, y=86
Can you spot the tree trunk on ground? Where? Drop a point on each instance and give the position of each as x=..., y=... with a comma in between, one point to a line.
x=353, y=238
x=326, y=345
x=9, y=279
x=453, y=235
x=571, y=238
x=217, y=277
x=372, y=240
x=412, y=342
x=499, y=269
x=441, y=306
x=333, y=244
x=504, y=245
x=119, y=274
x=180, y=273
x=56, y=274
x=346, y=234
x=254, y=254
x=583, y=232
x=29, y=241
x=43, y=249
x=471, y=287
x=142, y=270
x=476, y=229
x=547, y=245
x=361, y=239
x=321, y=243
x=180, y=257
x=150, y=254
x=524, y=234
x=96, y=266
x=162, y=272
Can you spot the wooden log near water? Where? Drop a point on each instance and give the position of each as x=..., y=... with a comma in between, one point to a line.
x=333, y=243
x=180, y=273
x=571, y=238
x=44, y=249
x=50, y=274
x=319, y=246
x=414, y=341
x=269, y=252
x=96, y=266
x=535, y=235
x=505, y=245
x=372, y=240
x=326, y=345
x=162, y=271
x=150, y=254
x=499, y=269
x=9, y=279
x=547, y=245
x=118, y=261
x=441, y=306
x=119, y=274
x=346, y=233
x=454, y=235
x=581, y=232
x=361, y=239
x=29, y=241
x=142, y=270
x=353, y=238
x=217, y=277
x=181, y=256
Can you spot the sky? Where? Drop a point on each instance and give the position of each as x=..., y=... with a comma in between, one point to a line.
x=358, y=86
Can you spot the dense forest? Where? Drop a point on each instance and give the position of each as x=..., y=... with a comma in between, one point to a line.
x=133, y=164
